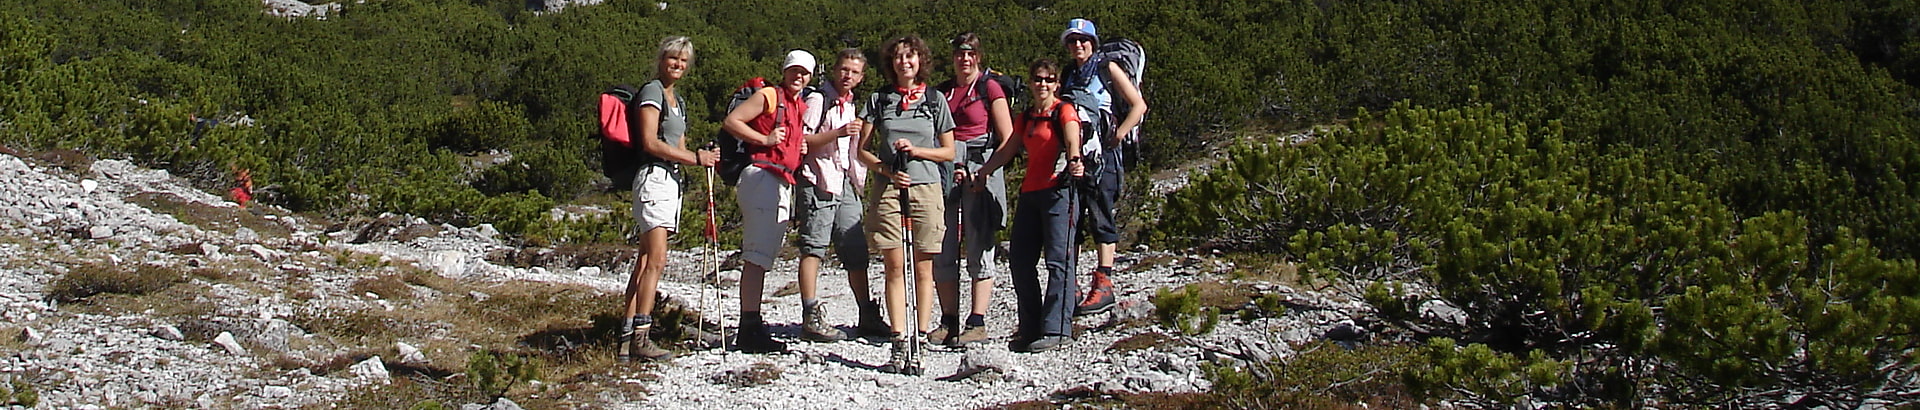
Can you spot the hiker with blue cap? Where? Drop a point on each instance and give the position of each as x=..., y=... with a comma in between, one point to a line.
x=1111, y=107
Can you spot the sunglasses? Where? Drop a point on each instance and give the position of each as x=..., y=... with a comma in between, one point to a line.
x=1046, y=80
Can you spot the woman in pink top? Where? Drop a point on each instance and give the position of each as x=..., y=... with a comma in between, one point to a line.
x=982, y=121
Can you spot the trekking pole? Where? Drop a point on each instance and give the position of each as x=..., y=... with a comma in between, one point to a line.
x=712, y=266
x=1073, y=218
x=960, y=209
x=907, y=274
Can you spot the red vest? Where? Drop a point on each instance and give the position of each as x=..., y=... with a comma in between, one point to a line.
x=785, y=109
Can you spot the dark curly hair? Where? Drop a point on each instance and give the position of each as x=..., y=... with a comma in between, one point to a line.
x=913, y=43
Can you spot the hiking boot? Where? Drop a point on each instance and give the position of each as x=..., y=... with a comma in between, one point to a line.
x=1019, y=344
x=1048, y=343
x=905, y=359
x=757, y=339
x=622, y=352
x=644, y=349
x=973, y=334
x=814, y=326
x=1098, y=299
x=701, y=338
x=871, y=324
x=944, y=335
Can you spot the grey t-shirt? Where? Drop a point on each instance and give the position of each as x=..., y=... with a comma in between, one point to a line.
x=921, y=123
x=673, y=119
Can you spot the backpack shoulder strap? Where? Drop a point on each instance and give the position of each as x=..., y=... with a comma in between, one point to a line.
x=980, y=85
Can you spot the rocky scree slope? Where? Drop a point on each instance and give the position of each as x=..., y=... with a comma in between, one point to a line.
x=229, y=333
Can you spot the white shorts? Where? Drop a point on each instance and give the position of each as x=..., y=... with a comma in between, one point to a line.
x=656, y=199
x=766, y=204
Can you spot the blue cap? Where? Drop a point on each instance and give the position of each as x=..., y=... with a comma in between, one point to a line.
x=1079, y=26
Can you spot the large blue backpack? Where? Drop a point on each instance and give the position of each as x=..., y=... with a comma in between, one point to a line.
x=1133, y=59
x=1103, y=119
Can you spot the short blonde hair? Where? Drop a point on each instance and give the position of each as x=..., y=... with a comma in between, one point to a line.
x=673, y=45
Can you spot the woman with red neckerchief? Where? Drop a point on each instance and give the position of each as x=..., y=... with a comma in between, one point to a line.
x=909, y=132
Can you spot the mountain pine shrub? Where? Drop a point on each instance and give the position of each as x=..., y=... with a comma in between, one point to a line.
x=1648, y=286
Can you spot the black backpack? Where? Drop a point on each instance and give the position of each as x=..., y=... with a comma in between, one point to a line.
x=734, y=157
x=619, y=162
x=1013, y=86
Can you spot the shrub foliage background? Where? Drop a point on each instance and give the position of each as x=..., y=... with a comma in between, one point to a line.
x=1560, y=251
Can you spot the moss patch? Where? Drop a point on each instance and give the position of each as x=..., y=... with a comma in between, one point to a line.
x=1141, y=341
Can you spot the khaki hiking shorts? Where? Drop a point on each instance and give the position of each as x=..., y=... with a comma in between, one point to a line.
x=929, y=210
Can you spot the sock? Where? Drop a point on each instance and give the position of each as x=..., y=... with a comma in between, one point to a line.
x=642, y=325
x=950, y=321
x=866, y=304
x=976, y=320
x=809, y=303
x=626, y=324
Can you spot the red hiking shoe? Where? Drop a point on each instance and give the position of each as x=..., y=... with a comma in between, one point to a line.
x=1098, y=299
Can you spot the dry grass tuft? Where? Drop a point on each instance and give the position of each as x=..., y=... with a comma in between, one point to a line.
x=70, y=160
x=223, y=219
x=1141, y=341
x=364, y=326
x=1268, y=267
x=566, y=329
x=10, y=339
x=385, y=286
x=91, y=279
x=1225, y=297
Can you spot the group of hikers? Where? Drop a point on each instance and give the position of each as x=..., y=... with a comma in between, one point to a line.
x=939, y=150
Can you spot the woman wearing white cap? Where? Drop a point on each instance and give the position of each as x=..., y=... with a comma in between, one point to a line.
x=772, y=125
x=914, y=129
x=1092, y=85
x=660, y=125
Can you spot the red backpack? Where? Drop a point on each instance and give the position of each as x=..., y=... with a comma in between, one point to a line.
x=620, y=161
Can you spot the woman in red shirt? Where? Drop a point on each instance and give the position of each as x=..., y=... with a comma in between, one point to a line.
x=1043, y=221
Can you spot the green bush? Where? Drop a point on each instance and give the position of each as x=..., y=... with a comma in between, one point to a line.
x=1390, y=301
x=1481, y=373
x=1183, y=311
x=1269, y=305
x=18, y=392
x=495, y=373
x=1561, y=249
x=1321, y=375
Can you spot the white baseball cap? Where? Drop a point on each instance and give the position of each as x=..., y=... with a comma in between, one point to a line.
x=799, y=58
